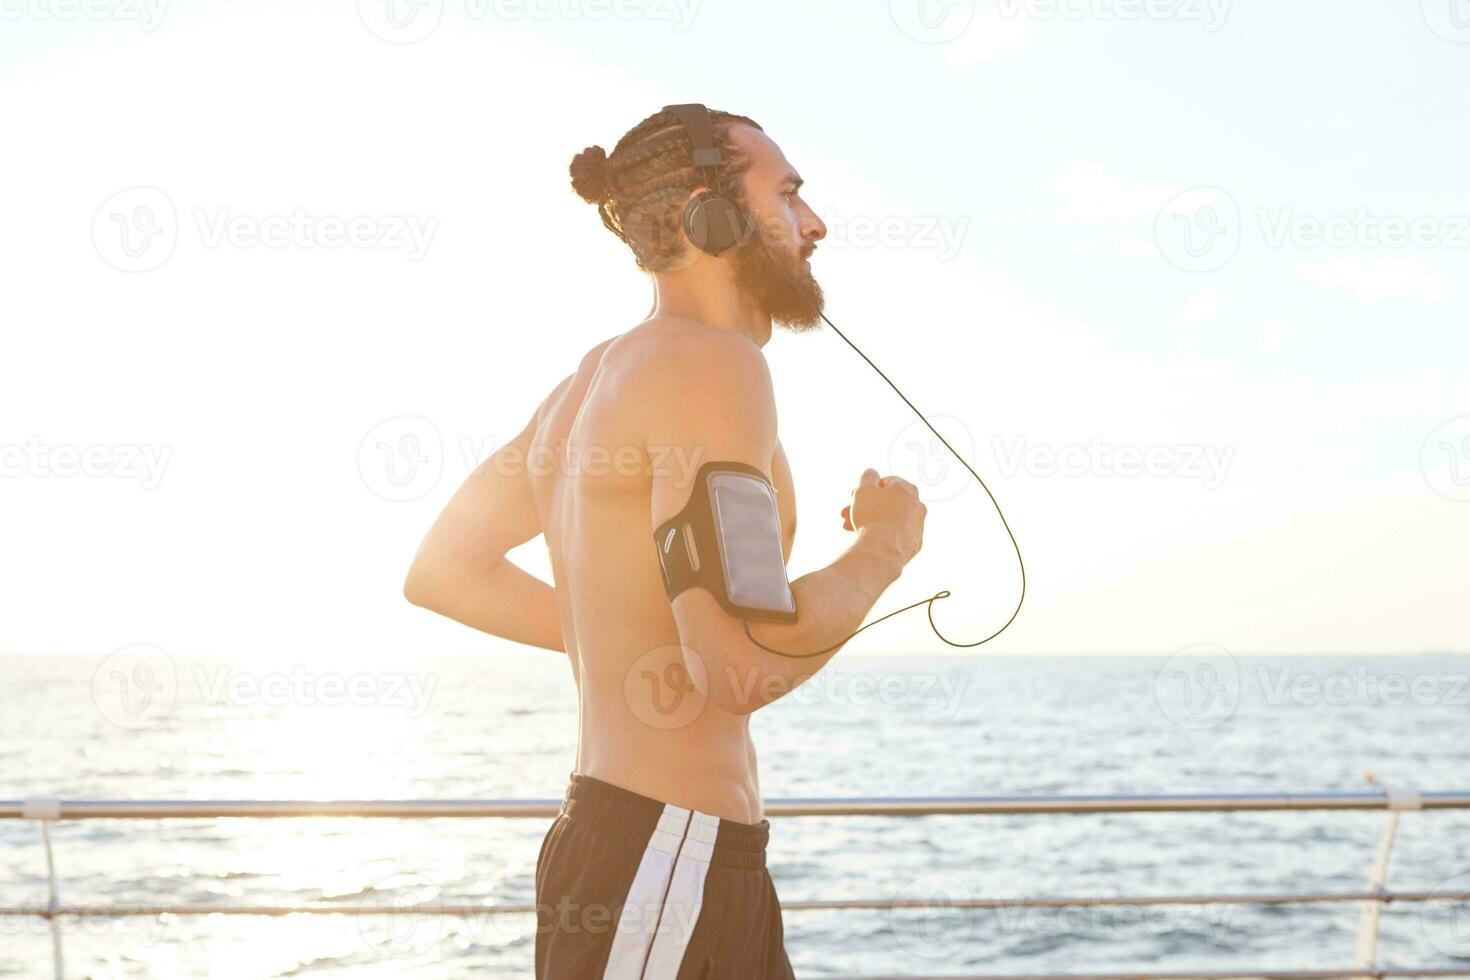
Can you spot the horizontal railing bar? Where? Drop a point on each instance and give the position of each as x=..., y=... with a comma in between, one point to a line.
x=470, y=911
x=1307, y=898
x=871, y=806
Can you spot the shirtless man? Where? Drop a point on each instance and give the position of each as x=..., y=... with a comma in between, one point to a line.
x=655, y=867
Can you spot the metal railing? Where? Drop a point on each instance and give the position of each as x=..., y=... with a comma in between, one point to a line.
x=1373, y=898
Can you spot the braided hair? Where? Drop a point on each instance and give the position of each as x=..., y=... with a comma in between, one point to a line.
x=640, y=190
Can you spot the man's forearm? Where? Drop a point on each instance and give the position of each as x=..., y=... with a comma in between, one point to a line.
x=504, y=601
x=831, y=603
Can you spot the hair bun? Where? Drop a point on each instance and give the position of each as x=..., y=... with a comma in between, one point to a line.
x=590, y=177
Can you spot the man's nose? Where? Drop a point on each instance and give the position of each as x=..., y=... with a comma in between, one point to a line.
x=812, y=229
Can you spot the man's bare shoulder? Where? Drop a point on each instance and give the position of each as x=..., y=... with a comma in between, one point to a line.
x=680, y=357
x=688, y=384
x=586, y=367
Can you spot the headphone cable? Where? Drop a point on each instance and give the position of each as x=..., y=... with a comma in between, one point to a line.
x=943, y=593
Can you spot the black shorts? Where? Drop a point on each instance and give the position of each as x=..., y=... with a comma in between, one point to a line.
x=628, y=888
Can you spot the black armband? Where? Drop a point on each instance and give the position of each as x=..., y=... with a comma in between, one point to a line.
x=727, y=540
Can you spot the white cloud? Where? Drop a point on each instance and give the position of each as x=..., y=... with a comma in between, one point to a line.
x=1273, y=335
x=990, y=37
x=1089, y=193
x=1374, y=279
x=1131, y=244
x=1205, y=306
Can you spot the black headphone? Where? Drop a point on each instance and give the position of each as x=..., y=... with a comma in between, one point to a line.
x=713, y=222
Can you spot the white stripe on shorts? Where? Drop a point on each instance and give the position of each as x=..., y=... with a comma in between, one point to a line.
x=662, y=907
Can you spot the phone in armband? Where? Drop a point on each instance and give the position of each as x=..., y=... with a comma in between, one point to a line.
x=727, y=541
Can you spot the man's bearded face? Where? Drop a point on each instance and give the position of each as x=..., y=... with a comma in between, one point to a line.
x=776, y=276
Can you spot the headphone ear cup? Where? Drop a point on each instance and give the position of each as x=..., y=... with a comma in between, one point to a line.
x=713, y=223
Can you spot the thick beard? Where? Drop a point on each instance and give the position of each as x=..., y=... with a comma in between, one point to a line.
x=787, y=292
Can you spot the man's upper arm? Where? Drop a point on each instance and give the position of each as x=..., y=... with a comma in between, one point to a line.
x=714, y=402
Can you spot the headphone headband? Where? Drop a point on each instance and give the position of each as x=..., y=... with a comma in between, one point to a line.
x=713, y=222
x=695, y=119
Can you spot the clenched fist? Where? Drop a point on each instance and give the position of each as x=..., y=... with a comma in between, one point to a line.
x=890, y=503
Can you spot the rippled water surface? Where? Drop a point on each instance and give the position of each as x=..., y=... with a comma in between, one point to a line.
x=890, y=726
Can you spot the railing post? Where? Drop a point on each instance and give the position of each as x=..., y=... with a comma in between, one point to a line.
x=1398, y=800
x=46, y=809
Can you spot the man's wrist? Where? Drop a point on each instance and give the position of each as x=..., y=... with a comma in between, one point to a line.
x=880, y=542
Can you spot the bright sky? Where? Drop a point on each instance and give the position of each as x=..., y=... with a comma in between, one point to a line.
x=1188, y=275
